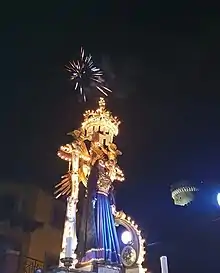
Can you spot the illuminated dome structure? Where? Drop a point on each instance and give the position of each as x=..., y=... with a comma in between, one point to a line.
x=183, y=193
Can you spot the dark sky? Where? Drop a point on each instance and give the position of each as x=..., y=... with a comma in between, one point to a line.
x=164, y=56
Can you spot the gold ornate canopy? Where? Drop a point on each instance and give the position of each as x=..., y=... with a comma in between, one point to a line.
x=102, y=122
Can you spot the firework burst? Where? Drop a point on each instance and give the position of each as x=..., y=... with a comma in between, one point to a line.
x=85, y=76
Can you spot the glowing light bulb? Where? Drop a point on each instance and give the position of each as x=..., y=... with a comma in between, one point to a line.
x=218, y=198
x=126, y=237
x=39, y=270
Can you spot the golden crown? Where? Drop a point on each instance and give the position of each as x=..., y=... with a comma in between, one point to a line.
x=101, y=121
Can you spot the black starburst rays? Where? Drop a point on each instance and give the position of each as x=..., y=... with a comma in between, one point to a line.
x=86, y=76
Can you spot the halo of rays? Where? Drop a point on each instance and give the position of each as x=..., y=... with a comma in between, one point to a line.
x=85, y=75
x=64, y=187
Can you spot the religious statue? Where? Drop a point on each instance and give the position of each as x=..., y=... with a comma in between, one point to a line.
x=92, y=158
x=100, y=242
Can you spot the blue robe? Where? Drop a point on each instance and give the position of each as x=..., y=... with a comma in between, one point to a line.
x=100, y=239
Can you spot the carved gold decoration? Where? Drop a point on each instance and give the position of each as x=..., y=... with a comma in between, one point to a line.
x=98, y=129
x=128, y=256
x=101, y=121
x=139, y=243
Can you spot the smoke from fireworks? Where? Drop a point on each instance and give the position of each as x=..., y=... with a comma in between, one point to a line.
x=85, y=76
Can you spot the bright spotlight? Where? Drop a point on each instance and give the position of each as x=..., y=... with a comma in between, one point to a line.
x=39, y=270
x=126, y=237
x=218, y=198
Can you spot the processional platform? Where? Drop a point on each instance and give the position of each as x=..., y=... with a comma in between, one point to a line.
x=92, y=268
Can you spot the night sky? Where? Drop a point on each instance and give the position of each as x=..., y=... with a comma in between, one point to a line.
x=162, y=61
